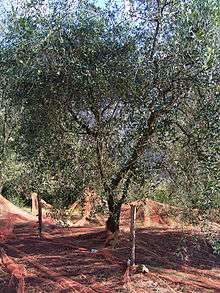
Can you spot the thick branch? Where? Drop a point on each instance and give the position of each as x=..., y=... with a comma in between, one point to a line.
x=157, y=29
x=140, y=145
x=126, y=187
x=81, y=123
x=155, y=38
x=138, y=149
x=99, y=153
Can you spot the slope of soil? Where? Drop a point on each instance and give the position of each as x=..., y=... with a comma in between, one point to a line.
x=11, y=215
x=149, y=213
x=9, y=210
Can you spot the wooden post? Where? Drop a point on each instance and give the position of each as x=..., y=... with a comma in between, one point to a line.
x=39, y=216
x=34, y=207
x=132, y=231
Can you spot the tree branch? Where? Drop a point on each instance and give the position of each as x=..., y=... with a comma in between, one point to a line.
x=125, y=188
x=140, y=145
x=194, y=143
x=81, y=123
x=99, y=153
x=157, y=29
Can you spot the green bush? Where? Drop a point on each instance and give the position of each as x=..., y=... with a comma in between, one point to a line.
x=216, y=246
x=17, y=200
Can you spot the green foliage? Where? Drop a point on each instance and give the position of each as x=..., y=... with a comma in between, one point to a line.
x=162, y=196
x=216, y=247
x=16, y=199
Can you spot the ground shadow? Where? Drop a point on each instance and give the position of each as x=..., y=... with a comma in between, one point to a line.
x=78, y=254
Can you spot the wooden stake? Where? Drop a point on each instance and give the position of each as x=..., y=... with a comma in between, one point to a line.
x=39, y=216
x=132, y=231
x=34, y=203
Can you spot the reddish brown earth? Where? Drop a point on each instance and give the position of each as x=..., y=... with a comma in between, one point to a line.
x=62, y=261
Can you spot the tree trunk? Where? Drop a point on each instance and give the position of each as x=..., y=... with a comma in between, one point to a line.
x=1, y=185
x=112, y=223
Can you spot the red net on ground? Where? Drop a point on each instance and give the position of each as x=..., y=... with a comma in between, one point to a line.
x=9, y=216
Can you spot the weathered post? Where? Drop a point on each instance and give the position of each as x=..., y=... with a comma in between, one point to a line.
x=39, y=216
x=132, y=232
x=34, y=207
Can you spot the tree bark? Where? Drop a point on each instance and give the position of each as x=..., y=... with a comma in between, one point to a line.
x=112, y=223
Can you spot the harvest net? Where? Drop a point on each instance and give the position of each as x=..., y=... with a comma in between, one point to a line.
x=9, y=216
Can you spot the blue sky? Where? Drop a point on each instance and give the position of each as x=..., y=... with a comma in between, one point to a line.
x=102, y=2
x=6, y=3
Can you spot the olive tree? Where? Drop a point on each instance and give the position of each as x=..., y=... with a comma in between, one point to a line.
x=108, y=83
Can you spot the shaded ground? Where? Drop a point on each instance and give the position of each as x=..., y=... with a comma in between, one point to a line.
x=75, y=260
x=178, y=260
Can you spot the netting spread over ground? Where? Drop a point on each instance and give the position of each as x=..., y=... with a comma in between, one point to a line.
x=75, y=260
x=63, y=261
x=11, y=215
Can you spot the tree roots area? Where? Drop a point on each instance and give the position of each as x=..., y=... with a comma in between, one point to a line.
x=75, y=260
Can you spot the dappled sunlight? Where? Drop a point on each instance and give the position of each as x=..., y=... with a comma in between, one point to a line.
x=68, y=260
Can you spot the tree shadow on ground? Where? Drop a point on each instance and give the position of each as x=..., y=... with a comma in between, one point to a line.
x=79, y=255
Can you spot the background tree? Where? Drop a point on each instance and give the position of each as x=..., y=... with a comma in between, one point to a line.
x=11, y=169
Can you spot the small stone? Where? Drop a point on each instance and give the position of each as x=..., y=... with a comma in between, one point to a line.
x=143, y=269
x=128, y=263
